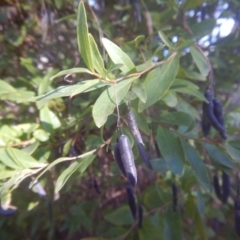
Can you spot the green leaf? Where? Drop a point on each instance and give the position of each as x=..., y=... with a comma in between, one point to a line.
x=170, y=99
x=105, y=104
x=30, y=149
x=158, y=81
x=176, y=118
x=192, y=211
x=150, y=230
x=165, y=40
x=7, y=92
x=137, y=40
x=200, y=61
x=235, y=143
x=171, y=150
x=72, y=90
x=188, y=180
x=82, y=37
x=203, y=28
x=6, y=88
x=17, y=159
x=59, y=160
x=80, y=164
x=118, y=56
x=140, y=91
x=173, y=226
x=58, y=3
x=121, y=216
x=49, y=119
x=233, y=151
x=71, y=71
x=182, y=83
x=41, y=135
x=7, y=173
x=185, y=44
x=184, y=106
x=159, y=165
x=194, y=75
x=218, y=156
x=189, y=4
x=88, y=86
x=191, y=91
x=96, y=56
x=197, y=165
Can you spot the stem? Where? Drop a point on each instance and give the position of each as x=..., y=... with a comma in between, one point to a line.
x=118, y=114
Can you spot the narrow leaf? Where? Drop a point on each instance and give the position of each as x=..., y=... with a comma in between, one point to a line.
x=233, y=151
x=176, y=118
x=118, y=56
x=80, y=164
x=121, y=216
x=105, y=104
x=140, y=91
x=171, y=150
x=218, y=156
x=159, y=81
x=66, y=91
x=165, y=39
x=71, y=71
x=96, y=56
x=59, y=160
x=200, y=61
x=18, y=159
x=82, y=36
x=197, y=165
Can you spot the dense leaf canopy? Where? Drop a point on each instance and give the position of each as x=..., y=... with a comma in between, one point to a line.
x=70, y=71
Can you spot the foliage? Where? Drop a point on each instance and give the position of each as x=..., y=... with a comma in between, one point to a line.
x=59, y=119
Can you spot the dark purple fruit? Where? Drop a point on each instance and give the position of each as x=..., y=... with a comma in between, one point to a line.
x=118, y=159
x=208, y=110
x=128, y=160
x=144, y=156
x=131, y=201
x=218, y=112
x=134, y=128
x=7, y=212
x=225, y=187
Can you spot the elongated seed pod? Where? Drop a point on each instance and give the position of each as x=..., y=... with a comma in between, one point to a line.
x=118, y=159
x=208, y=109
x=128, y=160
x=225, y=187
x=131, y=201
x=7, y=212
x=140, y=215
x=174, y=196
x=218, y=112
x=217, y=188
x=144, y=156
x=134, y=128
x=136, y=9
x=96, y=187
x=206, y=126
